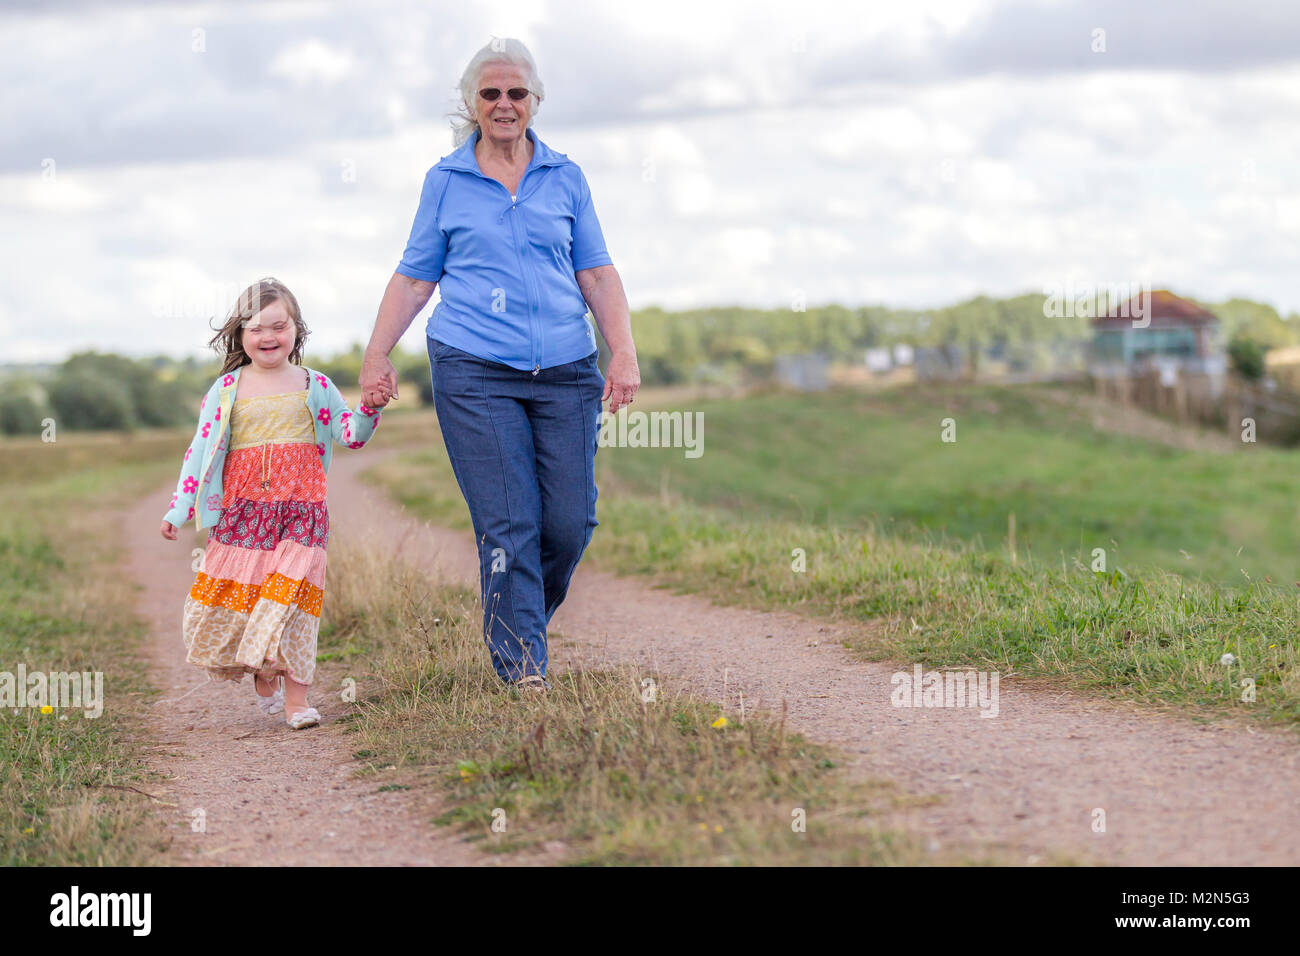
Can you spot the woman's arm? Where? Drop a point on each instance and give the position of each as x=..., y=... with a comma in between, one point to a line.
x=402, y=302
x=603, y=290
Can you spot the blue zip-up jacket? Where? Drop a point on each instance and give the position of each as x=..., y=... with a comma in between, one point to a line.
x=506, y=263
x=199, y=493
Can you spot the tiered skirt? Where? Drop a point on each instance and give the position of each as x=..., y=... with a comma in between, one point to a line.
x=256, y=602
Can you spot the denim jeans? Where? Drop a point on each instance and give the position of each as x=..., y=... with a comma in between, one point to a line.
x=523, y=449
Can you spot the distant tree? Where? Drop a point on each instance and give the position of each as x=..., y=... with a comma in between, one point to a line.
x=154, y=402
x=1247, y=357
x=84, y=400
x=1244, y=319
x=19, y=414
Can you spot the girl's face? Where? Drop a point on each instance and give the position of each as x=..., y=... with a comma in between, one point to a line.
x=268, y=337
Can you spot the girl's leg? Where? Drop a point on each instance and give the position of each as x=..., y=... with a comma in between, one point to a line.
x=295, y=696
x=265, y=686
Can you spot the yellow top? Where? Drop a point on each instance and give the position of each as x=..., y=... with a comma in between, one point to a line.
x=280, y=419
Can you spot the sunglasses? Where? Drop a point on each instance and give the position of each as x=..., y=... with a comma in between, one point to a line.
x=516, y=94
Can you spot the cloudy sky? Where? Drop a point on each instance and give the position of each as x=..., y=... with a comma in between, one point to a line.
x=157, y=157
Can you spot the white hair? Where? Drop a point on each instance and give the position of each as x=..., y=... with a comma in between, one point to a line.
x=499, y=50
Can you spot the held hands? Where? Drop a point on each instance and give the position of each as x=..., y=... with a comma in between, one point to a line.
x=378, y=380
x=168, y=531
x=622, y=380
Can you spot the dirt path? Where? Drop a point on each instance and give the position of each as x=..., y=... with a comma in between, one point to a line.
x=1174, y=792
x=268, y=794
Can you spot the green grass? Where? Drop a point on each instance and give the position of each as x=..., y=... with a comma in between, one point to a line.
x=614, y=775
x=846, y=458
x=70, y=794
x=728, y=524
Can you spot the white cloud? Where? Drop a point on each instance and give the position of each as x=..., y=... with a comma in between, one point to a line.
x=752, y=166
x=313, y=62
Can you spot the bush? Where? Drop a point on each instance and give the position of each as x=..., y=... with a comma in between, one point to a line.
x=19, y=414
x=1247, y=357
x=158, y=404
x=84, y=400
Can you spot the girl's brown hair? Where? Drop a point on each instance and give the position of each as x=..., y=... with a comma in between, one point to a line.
x=252, y=301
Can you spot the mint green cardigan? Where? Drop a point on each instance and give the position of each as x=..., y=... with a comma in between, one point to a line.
x=199, y=492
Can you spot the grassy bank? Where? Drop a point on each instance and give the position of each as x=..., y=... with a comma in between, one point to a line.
x=847, y=458
x=613, y=772
x=1137, y=630
x=68, y=794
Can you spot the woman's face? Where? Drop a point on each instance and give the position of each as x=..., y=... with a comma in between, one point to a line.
x=268, y=336
x=504, y=120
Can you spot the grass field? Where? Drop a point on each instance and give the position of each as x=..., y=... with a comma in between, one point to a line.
x=908, y=532
x=847, y=458
x=68, y=794
x=615, y=777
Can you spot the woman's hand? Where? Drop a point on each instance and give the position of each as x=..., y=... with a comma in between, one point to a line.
x=168, y=530
x=622, y=380
x=378, y=380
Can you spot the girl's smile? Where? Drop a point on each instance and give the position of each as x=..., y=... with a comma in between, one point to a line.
x=269, y=336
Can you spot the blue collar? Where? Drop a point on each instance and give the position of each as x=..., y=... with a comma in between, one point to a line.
x=464, y=159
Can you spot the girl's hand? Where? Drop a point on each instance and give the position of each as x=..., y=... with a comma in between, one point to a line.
x=168, y=531
x=378, y=380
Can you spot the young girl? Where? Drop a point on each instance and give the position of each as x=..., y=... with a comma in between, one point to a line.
x=255, y=475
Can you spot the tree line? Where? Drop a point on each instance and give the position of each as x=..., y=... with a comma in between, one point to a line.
x=94, y=390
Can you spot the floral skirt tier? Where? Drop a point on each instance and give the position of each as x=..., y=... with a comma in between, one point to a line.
x=255, y=605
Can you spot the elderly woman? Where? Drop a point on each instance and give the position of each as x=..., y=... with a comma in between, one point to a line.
x=507, y=226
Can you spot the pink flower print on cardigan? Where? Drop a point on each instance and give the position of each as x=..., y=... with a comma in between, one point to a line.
x=188, y=452
x=217, y=417
x=214, y=502
x=190, y=486
x=321, y=379
x=320, y=447
x=226, y=382
x=207, y=426
x=324, y=416
x=172, y=503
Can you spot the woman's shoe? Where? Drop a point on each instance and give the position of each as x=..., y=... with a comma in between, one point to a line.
x=270, y=705
x=533, y=682
x=304, y=718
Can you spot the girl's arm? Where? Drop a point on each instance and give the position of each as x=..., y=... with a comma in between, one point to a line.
x=181, y=507
x=347, y=427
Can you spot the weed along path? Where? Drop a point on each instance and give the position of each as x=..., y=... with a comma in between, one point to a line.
x=1053, y=777
x=241, y=788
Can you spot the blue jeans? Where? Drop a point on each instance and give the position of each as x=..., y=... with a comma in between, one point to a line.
x=523, y=449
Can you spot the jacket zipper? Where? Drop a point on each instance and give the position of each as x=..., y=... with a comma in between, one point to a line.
x=525, y=272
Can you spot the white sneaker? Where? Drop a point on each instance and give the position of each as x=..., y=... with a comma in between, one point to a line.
x=270, y=705
x=304, y=718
